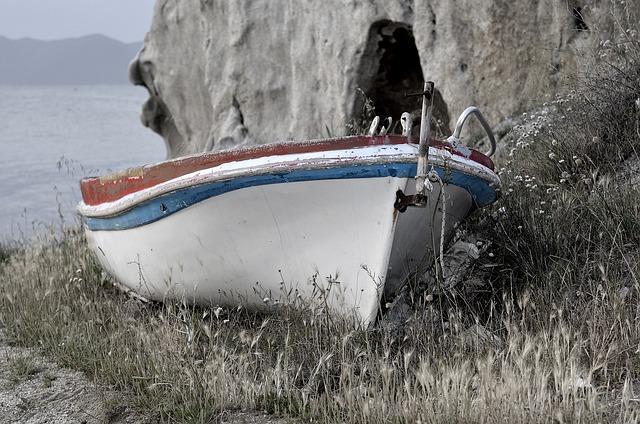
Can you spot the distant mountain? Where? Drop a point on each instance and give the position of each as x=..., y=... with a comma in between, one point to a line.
x=94, y=59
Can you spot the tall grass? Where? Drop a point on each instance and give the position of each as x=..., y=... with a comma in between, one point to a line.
x=556, y=340
x=189, y=364
x=568, y=218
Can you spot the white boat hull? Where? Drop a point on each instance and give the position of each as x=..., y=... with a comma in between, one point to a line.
x=339, y=241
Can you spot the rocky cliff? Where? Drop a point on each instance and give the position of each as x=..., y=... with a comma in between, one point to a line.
x=224, y=73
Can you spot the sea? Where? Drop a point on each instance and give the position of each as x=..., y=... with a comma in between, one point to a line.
x=51, y=137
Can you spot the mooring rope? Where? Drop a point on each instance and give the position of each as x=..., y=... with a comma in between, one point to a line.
x=434, y=177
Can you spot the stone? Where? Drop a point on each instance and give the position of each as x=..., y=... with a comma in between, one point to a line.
x=221, y=74
x=458, y=261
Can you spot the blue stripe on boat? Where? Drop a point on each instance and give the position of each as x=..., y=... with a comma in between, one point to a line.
x=167, y=204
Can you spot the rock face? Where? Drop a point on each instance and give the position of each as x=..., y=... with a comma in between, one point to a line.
x=223, y=73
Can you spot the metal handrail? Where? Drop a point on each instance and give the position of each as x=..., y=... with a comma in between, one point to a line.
x=472, y=110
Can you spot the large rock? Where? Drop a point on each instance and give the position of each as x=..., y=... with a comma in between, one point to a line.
x=223, y=73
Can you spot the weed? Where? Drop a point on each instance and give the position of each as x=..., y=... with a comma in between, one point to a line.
x=25, y=405
x=5, y=253
x=360, y=125
x=22, y=367
x=48, y=379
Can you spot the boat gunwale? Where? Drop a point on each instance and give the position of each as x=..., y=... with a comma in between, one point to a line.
x=406, y=153
x=112, y=187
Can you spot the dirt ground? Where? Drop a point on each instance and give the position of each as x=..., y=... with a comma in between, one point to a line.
x=34, y=390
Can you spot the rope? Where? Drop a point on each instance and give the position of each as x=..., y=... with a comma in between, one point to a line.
x=433, y=176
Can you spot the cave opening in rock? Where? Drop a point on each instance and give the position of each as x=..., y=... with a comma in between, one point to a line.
x=390, y=67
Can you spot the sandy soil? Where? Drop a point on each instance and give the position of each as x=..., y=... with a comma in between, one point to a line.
x=35, y=390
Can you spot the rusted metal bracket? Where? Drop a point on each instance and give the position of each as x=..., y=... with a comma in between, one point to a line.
x=403, y=201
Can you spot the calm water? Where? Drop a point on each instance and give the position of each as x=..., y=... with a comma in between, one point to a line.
x=50, y=137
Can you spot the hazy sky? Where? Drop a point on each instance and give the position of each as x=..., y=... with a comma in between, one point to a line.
x=126, y=20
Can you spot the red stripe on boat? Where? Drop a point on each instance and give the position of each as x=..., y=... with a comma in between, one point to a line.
x=97, y=190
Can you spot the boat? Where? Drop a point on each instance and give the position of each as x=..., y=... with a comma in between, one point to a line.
x=344, y=220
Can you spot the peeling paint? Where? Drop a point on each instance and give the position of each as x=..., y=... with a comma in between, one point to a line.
x=283, y=165
x=128, y=174
x=112, y=187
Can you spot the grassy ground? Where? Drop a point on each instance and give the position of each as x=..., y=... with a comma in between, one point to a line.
x=557, y=339
x=541, y=362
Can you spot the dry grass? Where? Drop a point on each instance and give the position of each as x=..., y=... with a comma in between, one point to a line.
x=189, y=364
x=557, y=339
x=22, y=367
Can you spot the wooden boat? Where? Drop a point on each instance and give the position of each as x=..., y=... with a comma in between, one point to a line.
x=331, y=218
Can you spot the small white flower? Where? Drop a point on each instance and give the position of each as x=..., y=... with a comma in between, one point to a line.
x=217, y=311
